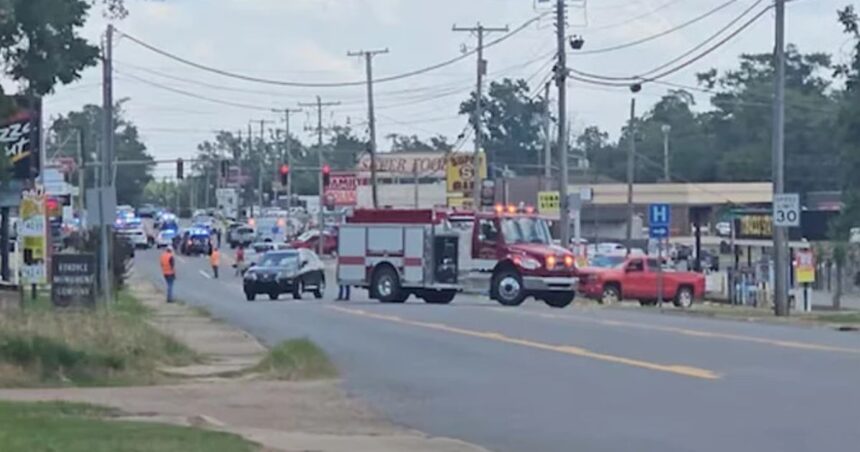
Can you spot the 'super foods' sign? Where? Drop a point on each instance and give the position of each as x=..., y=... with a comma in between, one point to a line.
x=428, y=164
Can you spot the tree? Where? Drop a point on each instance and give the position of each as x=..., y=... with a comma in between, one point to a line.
x=512, y=121
x=848, y=129
x=409, y=143
x=130, y=180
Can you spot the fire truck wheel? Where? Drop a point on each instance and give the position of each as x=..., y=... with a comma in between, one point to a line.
x=438, y=296
x=386, y=285
x=508, y=287
x=558, y=300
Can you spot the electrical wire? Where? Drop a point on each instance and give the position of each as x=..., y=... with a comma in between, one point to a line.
x=660, y=34
x=683, y=65
x=679, y=57
x=635, y=18
x=194, y=95
x=328, y=84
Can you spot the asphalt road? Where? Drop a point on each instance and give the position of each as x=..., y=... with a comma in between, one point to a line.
x=578, y=379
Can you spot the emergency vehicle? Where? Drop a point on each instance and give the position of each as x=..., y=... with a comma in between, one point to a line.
x=433, y=255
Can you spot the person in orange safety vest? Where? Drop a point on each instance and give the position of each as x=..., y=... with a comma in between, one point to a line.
x=168, y=270
x=215, y=261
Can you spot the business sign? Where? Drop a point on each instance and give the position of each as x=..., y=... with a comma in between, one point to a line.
x=804, y=266
x=659, y=215
x=460, y=202
x=20, y=136
x=428, y=164
x=460, y=172
x=549, y=202
x=754, y=226
x=73, y=278
x=342, y=189
x=31, y=237
x=786, y=210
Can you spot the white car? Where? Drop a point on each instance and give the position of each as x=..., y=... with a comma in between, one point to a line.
x=165, y=238
x=136, y=236
x=724, y=229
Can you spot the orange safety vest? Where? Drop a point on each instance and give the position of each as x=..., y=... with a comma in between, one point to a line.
x=166, y=267
x=215, y=258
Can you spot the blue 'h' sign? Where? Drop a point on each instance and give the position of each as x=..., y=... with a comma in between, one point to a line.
x=659, y=215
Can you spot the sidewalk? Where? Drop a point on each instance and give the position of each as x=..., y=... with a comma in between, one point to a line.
x=279, y=415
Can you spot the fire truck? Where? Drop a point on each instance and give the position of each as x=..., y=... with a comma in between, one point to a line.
x=433, y=255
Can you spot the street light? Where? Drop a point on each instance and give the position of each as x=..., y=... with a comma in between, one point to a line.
x=666, y=128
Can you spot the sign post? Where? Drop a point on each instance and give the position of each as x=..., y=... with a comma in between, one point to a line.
x=659, y=220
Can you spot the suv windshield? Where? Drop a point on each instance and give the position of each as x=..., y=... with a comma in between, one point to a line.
x=289, y=260
x=526, y=230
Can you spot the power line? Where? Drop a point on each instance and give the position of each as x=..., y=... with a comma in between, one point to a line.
x=635, y=18
x=683, y=65
x=194, y=95
x=679, y=57
x=325, y=84
x=660, y=34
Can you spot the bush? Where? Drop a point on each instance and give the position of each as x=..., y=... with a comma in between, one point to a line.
x=297, y=359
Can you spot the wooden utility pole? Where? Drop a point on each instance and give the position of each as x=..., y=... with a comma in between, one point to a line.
x=371, y=116
x=319, y=104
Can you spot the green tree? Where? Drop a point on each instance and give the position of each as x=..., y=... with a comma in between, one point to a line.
x=848, y=130
x=130, y=179
x=407, y=143
x=512, y=119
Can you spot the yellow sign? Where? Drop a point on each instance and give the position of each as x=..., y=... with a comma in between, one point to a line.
x=549, y=202
x=804, y=266
x=460, y=202
x=31, y=236
x=460, y=171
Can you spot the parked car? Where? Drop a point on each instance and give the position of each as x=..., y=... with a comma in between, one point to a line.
x=310, y=240
x=136, y=236
x=285, y=271
x=241, y=236
x=636, y=279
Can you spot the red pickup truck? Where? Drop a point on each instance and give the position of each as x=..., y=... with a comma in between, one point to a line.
x=636, y=279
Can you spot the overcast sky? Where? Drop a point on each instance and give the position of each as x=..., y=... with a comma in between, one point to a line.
x=307, y=41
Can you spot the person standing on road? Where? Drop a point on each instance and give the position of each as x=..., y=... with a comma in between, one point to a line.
x=215, y=260
x=168, y=270
x=240, y=259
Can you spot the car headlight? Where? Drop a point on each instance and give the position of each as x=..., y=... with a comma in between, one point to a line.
x=528, y=263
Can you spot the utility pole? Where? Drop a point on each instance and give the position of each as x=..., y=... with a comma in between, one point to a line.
x=666, y=128
x=631, y=153
x=780, y=254
x=262, y=163
x=251, y=151
x=82, y=171
x=561, y=82
x=479, y=30
x=371, y=115
x=106, y=165
x=319, y=104
x=547, y=140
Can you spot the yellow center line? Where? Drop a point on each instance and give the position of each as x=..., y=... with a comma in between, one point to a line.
x=687, y=371
x=694, y=333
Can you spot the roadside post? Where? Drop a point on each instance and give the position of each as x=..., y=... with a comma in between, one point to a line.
x=659, y=219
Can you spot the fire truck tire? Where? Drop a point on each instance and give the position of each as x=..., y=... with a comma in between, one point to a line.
x=438, y=296
x=558, y=300
x=386, y=285
x=508, y=288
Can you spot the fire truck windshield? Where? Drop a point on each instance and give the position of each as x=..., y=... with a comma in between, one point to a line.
x=526, y=230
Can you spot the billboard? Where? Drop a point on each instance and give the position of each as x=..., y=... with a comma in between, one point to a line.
x=31, y=237
x=460, y=171
x=428, y=164
x=342, y=189
x=20, y=136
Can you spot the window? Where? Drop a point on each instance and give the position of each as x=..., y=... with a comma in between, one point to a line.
x=652, y=265
x=526, y=230
x=635, y=266
x=488, y=232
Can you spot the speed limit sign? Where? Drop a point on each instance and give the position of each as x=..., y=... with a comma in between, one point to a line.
x=786, y=210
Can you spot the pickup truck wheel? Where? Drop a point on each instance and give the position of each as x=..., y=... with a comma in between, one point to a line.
x=508, y=288
x=438, y=297
x=684, y=297
x=386, y=286
x=558, y=300
x=610, y=294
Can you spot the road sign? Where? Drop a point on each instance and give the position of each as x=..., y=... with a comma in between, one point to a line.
x=658, y=231
x=73, y=279
x=804, y=267
x=786, y=210
x=659, y=215
x=549, y=202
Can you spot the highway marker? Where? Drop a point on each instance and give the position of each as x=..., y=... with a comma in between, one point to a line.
x=686, y=371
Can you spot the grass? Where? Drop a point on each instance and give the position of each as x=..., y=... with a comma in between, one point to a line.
x=70, y=427
x=848, y=317
x=41, y=346
x=296, y=360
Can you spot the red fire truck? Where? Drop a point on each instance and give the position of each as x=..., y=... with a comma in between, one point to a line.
x=433, y=255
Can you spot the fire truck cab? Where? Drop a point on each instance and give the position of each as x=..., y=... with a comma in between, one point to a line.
x=433, y=255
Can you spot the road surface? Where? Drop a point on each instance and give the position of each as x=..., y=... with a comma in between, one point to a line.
x=579, y=379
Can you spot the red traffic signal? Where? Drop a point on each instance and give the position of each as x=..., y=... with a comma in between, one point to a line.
x=326, y=174
x=180, y=169
x=285, y=171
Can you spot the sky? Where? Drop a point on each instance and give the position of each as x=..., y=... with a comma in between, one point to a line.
x=308, y=40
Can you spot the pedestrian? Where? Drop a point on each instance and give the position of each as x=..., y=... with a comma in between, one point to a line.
x=343, y=292
x=218, y=236
x=215, y=260
x=168, y=270
x=240, y=260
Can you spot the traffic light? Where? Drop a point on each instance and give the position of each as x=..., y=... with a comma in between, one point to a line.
x=285, y=172
x=326, y=175
x=180, y=169
x=225, y=168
